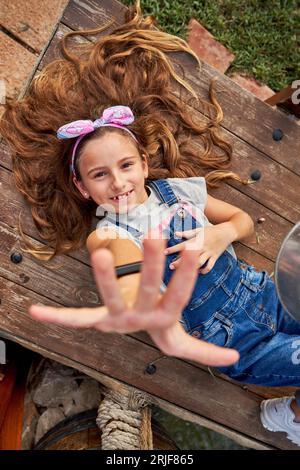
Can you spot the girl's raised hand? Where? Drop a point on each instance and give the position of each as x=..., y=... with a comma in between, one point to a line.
x=154, y=312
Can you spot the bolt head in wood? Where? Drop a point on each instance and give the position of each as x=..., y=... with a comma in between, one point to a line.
x=151, y=369
x=16, y=257
x=277, y=134
x=256, y=175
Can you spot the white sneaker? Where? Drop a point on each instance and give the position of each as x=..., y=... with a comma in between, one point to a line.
x=277, y=415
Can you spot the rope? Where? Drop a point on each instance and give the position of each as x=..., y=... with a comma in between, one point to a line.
x=125, y=421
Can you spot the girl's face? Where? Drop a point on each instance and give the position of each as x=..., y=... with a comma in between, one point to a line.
x=113, y=172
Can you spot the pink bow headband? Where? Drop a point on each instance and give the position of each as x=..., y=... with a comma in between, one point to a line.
x=116, y=116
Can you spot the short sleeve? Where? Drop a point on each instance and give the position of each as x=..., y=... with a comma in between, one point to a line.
x=191, y=189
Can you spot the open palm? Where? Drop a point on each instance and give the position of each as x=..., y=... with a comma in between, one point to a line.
x=156, y=313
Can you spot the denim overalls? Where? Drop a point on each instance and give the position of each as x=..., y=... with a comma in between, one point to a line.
x=235, y=306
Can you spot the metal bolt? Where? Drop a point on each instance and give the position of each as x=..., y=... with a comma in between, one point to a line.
x=181, y=213
x=16, y=257
x=277, y=134
x=151, y=369
x=196, y=334
x=256, y=175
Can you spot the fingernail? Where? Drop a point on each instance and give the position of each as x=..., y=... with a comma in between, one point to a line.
x=166, y=252
x=171, y=266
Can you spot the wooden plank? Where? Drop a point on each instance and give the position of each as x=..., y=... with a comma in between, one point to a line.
x=211, y=397
x=63, y=280
x=53, y=51
x=13, y=207
x=270, y=233
x=91, y=14
x=106, y=365
x=245, y=115
x=5, y=158
x=129, y=390
x=277, y=183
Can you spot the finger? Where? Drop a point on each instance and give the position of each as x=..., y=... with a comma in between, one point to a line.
x=188, y=233
x=181, y=285
x=175, y=248
x=174, y=263
x=203, y=260
x=106, y=280
x=176, y=342
x=73, y=317
x=207, y=353
x=151, y=275
x=209, y=266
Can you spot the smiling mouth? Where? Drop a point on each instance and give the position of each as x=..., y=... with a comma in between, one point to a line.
x=122, y=196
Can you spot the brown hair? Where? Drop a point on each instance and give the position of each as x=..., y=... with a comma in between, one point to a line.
x=129, y=66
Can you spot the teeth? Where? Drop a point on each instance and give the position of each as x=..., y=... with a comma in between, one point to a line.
x=122, y=196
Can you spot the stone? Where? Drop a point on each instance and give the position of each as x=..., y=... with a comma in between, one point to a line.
x=31, y=22
x=263, y=92
x=61, y=369
x=53, y=389
x=48, y=420
x=86, y=397
x=207, y=47
x=30, y=420
x=16, y=64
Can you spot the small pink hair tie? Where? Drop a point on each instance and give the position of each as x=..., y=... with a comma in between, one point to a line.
x=116, y=116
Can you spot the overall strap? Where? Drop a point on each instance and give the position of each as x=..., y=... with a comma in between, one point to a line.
x=164, y=191
x=133, y=231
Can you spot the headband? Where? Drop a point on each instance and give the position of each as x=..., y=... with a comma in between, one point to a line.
x=116, y=116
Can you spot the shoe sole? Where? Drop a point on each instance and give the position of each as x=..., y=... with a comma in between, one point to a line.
x=267, y=426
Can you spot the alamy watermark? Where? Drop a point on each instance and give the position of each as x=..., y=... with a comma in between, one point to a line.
x=296, y=95
x=2, y=352
x=153, y=221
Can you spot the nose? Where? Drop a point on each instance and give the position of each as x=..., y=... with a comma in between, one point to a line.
x=117, y=181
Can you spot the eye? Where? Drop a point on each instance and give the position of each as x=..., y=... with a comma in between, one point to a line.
x=127, y=164
x=99, y=174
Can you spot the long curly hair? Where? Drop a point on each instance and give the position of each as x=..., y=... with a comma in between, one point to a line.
x=129, y=66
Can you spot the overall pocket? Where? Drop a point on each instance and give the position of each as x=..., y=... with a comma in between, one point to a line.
x=259, y=307
x=254, y=280
x=219, y=332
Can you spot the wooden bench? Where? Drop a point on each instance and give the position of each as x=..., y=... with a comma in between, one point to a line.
x=120, y=361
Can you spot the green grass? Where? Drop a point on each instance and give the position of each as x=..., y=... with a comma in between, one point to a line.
x=263, y=35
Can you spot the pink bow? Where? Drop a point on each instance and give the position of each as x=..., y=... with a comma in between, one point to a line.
x=117, y=116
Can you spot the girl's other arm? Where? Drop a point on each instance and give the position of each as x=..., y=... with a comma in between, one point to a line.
x=235, y=222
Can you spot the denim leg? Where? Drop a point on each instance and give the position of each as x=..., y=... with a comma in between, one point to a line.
x=267, y=338
x=274, y=362
x=285, y=322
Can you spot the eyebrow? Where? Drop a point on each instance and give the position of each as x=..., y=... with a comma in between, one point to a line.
x=102, y=167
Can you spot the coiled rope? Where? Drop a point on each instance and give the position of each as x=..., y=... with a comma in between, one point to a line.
x=125, y=421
